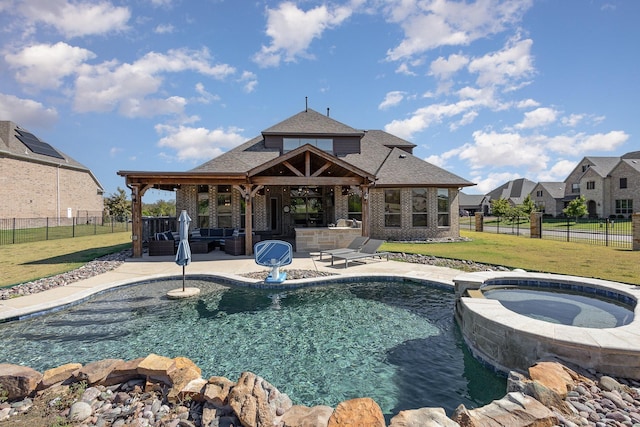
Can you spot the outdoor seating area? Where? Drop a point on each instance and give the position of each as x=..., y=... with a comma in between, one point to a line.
x=355, y=245
x=368, y=250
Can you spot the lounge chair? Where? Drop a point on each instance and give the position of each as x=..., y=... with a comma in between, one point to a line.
x=368, y=250
x=355, y=245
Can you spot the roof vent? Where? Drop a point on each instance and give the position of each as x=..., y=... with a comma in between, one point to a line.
x=402, y=156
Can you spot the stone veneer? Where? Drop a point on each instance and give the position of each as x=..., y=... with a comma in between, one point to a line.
x=323, y=238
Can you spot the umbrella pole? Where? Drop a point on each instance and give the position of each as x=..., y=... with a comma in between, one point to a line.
x=183, y=278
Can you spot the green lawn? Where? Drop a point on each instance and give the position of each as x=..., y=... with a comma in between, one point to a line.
x=542, y=255
x=24, y=262
x=21, y=263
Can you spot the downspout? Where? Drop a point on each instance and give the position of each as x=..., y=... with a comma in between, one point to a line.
x=58, y=194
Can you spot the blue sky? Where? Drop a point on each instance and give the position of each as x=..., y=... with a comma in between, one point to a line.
x=490, y=90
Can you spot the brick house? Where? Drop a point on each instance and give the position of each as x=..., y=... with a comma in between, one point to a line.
x=310, y=172
x=549, y=197
x=38, y=181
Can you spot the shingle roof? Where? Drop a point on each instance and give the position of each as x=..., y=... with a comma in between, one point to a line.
x=603, y=165
x=515, y=190
x=311, y=122
x=555, y=189
x=379, y=154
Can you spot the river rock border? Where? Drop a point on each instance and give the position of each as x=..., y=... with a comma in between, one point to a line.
x=164, y=392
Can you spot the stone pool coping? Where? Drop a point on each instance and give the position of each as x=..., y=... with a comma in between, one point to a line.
x=510, y=341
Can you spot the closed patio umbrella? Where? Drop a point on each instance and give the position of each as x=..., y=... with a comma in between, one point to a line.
x=183, y=256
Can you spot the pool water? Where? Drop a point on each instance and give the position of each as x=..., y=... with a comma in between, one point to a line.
x=394, y=342
x=564, y=307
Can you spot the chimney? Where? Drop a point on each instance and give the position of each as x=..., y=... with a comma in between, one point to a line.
x=327, y=111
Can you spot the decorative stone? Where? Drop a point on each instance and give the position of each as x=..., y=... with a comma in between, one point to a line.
x=513, y=410
x=362, y=411
x=58, y=375
x=553, y=376
x=185, y=371
x=96, y=372
x=18, y=381
x=157, y=368
x=217, y=390
x=423, y=417
x=123, y=372
x=256, y=402
x=179, y=293
x=303, y=416
x=79, y=412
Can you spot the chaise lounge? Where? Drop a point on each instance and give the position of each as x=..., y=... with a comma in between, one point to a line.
x=355, y=245
x=368, y=250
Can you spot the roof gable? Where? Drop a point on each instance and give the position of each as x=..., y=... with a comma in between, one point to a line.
x=311, y=122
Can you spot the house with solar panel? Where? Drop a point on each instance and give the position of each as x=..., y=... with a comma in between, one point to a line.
x=39, y=181
x=316, y=181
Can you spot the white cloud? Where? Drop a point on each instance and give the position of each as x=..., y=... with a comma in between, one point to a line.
x=78, y=18
x=164, y=29
x=432, y=24
x=205, y=97
x=537, y=118
x=443, y=68
x=495, y=150
x=192, y=144
x=250, y=81
x=45, y=65
x=585, y=143
x=558, y=172
x=506, y=66
x=527, y=103
x=26, y=112
x=492, y=181
x=573, y=120
x=392, y=99
x=292, y=30
x=125, y=87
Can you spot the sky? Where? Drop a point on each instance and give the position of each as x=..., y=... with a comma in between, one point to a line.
x=489, y=90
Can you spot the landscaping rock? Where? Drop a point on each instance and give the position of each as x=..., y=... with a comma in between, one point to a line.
x=304, y=416
x=256, y=402
x=423, y=417
x=58, y=375
x=18, y=381
x=357, y=412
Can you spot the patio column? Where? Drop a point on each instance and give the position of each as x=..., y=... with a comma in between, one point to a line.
x=136, y=220
x=365, y=211
x=248, y=192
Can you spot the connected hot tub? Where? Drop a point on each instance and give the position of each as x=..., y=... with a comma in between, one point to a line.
x=511, y=320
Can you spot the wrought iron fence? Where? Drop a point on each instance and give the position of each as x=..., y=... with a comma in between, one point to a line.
x=616, y=233
x=23, y=230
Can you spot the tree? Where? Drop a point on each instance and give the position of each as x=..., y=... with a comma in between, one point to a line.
x=117, y=205
x=500, y=207
x=576, y=208
x=159, y=208
x=528, y=205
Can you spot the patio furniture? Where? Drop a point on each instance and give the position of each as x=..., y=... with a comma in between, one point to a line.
x=368, y=250
x=355, y=245
x=203, y=246
x=163, y=244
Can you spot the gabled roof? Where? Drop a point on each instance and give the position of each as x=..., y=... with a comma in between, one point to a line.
x=12, y=146
x=515, y=191
x=311, y=122
x=602, y=165
x=633, y=163
x=470, y=199
x=555, y=189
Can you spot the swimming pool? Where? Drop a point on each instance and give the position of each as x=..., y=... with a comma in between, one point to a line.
x=395, y=342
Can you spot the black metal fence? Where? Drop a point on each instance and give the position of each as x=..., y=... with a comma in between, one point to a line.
x=23, y=230
x=604, y=232
x=616, y=233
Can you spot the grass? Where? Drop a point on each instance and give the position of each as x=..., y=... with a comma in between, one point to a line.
x=578, y=259
x=21, y=263
x=24, y=262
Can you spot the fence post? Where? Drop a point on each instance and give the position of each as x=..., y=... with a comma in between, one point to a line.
x=635, y=231
x=479, y=221
x=46, y=229
x=568, y=228
x=13, y=232
x=535, y=230
x=73, y=227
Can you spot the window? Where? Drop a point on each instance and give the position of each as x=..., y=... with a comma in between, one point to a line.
x=539, y=193
x=325, y=144
x=392, y=208
x=306, y=206
x=624, y=206
x=443, y=207
x=585, y=167
x=203, y=206
x=623, y=182
x=419, y=207
x=575, y=188
x=355, y=206
x=224, y=206
x=591, y=185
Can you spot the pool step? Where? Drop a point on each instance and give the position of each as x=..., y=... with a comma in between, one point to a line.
x=475, y=293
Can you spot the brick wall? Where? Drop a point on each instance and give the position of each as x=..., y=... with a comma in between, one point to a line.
x=37, y=190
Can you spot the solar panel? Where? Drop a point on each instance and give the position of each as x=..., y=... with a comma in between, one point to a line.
x=35, y=145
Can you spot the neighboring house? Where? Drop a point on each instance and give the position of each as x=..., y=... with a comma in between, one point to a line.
x=513, y=191
x=610, y=185
x=471, y=203
x=310, y=171
x=549, y=197
x=38, y=181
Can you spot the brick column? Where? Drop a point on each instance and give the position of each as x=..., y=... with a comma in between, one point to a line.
x=479, y=221
x=536, y=225
x=635, y=226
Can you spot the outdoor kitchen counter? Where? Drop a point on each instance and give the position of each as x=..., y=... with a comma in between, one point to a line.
x=315, y=239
